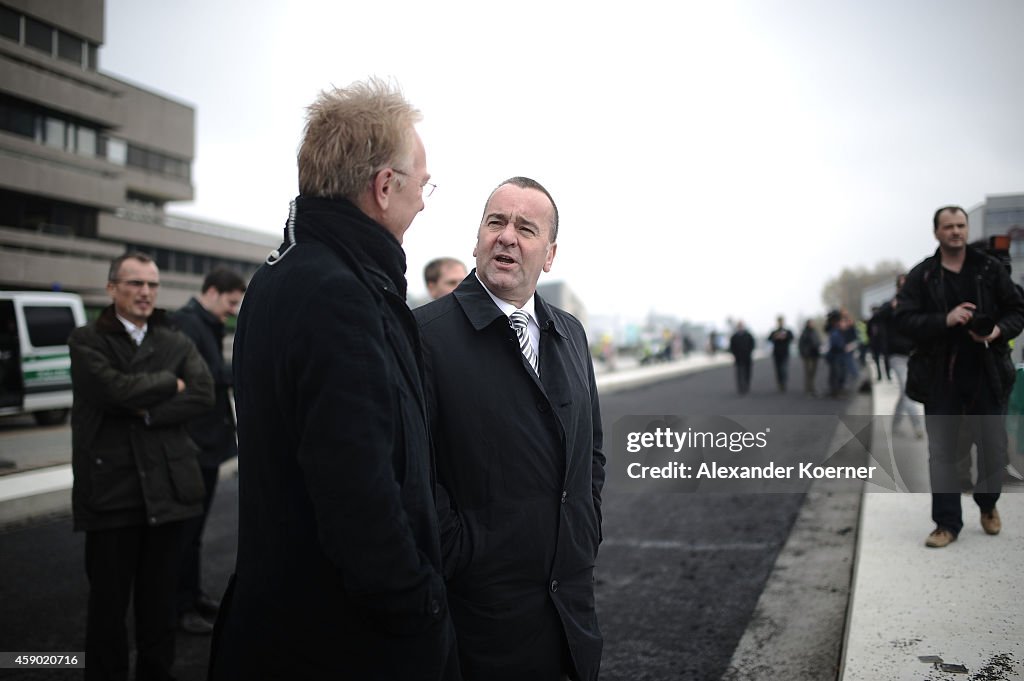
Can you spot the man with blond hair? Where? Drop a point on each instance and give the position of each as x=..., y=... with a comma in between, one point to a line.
x=339, y=566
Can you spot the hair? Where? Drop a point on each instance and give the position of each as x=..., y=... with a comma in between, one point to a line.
x=527, y=183
x=432, y=272
x=223, y=280
x=351, y=134
x=955, y=209
x=115, y=264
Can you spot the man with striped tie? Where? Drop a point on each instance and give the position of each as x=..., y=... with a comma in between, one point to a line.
x=516, y=429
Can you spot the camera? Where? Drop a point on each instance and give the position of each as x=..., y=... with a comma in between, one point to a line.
x=982, y=324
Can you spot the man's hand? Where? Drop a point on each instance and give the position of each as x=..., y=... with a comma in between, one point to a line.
x=996, y=333
x=181, y=386
x=961, y=314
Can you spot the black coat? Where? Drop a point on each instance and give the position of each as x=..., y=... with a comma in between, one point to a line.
x=922, y=308
x=339, y=566
x=133, y=462
x=520, y=463
x=895, y=341
x=213, y=431
x=741, y=345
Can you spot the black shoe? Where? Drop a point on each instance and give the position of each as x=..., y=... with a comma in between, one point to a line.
x=206, y=606
x=192, y=622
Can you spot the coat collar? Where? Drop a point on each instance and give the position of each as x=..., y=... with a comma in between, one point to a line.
x=196, y=308
x=108, y=322
x=481, y=310
x=341, y=226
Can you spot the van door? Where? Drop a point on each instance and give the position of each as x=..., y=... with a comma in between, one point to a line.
x=12, y=389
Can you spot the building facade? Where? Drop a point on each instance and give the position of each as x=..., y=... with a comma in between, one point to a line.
x=88, y=164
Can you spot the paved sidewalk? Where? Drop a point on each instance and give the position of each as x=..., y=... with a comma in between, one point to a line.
x=915, y=609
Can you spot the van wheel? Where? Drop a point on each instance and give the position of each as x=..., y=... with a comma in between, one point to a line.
x=51, y=417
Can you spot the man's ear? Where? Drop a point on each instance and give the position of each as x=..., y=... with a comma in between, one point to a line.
x=382, y=187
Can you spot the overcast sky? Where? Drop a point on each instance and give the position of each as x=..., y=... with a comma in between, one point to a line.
x=708, y=159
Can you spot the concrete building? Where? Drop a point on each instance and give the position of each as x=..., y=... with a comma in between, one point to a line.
x=999, y=215
x=88, y=164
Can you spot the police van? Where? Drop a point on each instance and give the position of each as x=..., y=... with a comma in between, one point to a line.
x=35, y=363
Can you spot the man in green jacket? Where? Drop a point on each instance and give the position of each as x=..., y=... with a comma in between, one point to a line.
x=136, y=381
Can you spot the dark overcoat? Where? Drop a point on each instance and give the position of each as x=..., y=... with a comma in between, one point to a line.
x=921, y=314
x=521, y=469
x=338, y=573
x=133, y=462
x=214, y=430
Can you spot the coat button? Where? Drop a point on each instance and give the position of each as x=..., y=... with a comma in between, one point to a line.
x=554, y=585
x=152, y=520
x=542, y=407
x=564, y=495
x=435, y=607
x=99, y=462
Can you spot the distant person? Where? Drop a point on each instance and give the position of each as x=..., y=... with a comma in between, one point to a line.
x=202, y=320
x=516, y=425
x=339, y=572
x=899, y=346
x=961, y=308
x=836, y=353
x=137, y=381
x=809, y=346
x=741, y=345
x=442, y=276
x=851, y=337
x=878, y=342
x=781, y=338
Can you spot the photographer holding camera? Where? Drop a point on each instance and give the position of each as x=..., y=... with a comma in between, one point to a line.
x=961, y=308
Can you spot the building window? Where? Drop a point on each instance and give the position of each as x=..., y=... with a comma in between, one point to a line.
x=69, y=47
x=53, y=132
x=116, y=150
x=17, y=120
x=10, y=25
x=85, y=141
x=38, y=35
x=93, y=63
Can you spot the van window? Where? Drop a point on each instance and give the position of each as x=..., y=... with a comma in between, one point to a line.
x=49, y=325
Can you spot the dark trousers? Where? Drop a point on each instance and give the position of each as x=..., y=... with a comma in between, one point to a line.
x=810, y=371
x=190, y=583
x=781, y=370
x=836, y=373
x=743, y=365
x=953, y=408
x=117, y=560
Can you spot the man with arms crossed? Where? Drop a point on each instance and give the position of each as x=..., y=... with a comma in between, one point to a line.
x=339, y=565
x=136, y=382
x=961, y=309
x=517, y=432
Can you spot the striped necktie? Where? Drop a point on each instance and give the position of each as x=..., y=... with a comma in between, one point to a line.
x=519, y=321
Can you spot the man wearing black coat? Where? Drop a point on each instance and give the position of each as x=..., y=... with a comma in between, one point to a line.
x=517, y=431
x=339, y=572
x=741, y=345
x=961, y=309
x=202, y=320
x=137, y=380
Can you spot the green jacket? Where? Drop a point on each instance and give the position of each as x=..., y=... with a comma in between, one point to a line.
x=133, y=461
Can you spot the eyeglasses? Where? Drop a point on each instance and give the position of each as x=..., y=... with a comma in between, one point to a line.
x=138, y=283
x=427, y=187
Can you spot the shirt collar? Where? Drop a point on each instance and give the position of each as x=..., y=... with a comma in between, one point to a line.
x=136, y=332
x=508, y=308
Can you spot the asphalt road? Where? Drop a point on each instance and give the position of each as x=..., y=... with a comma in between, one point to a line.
x=678, y=575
